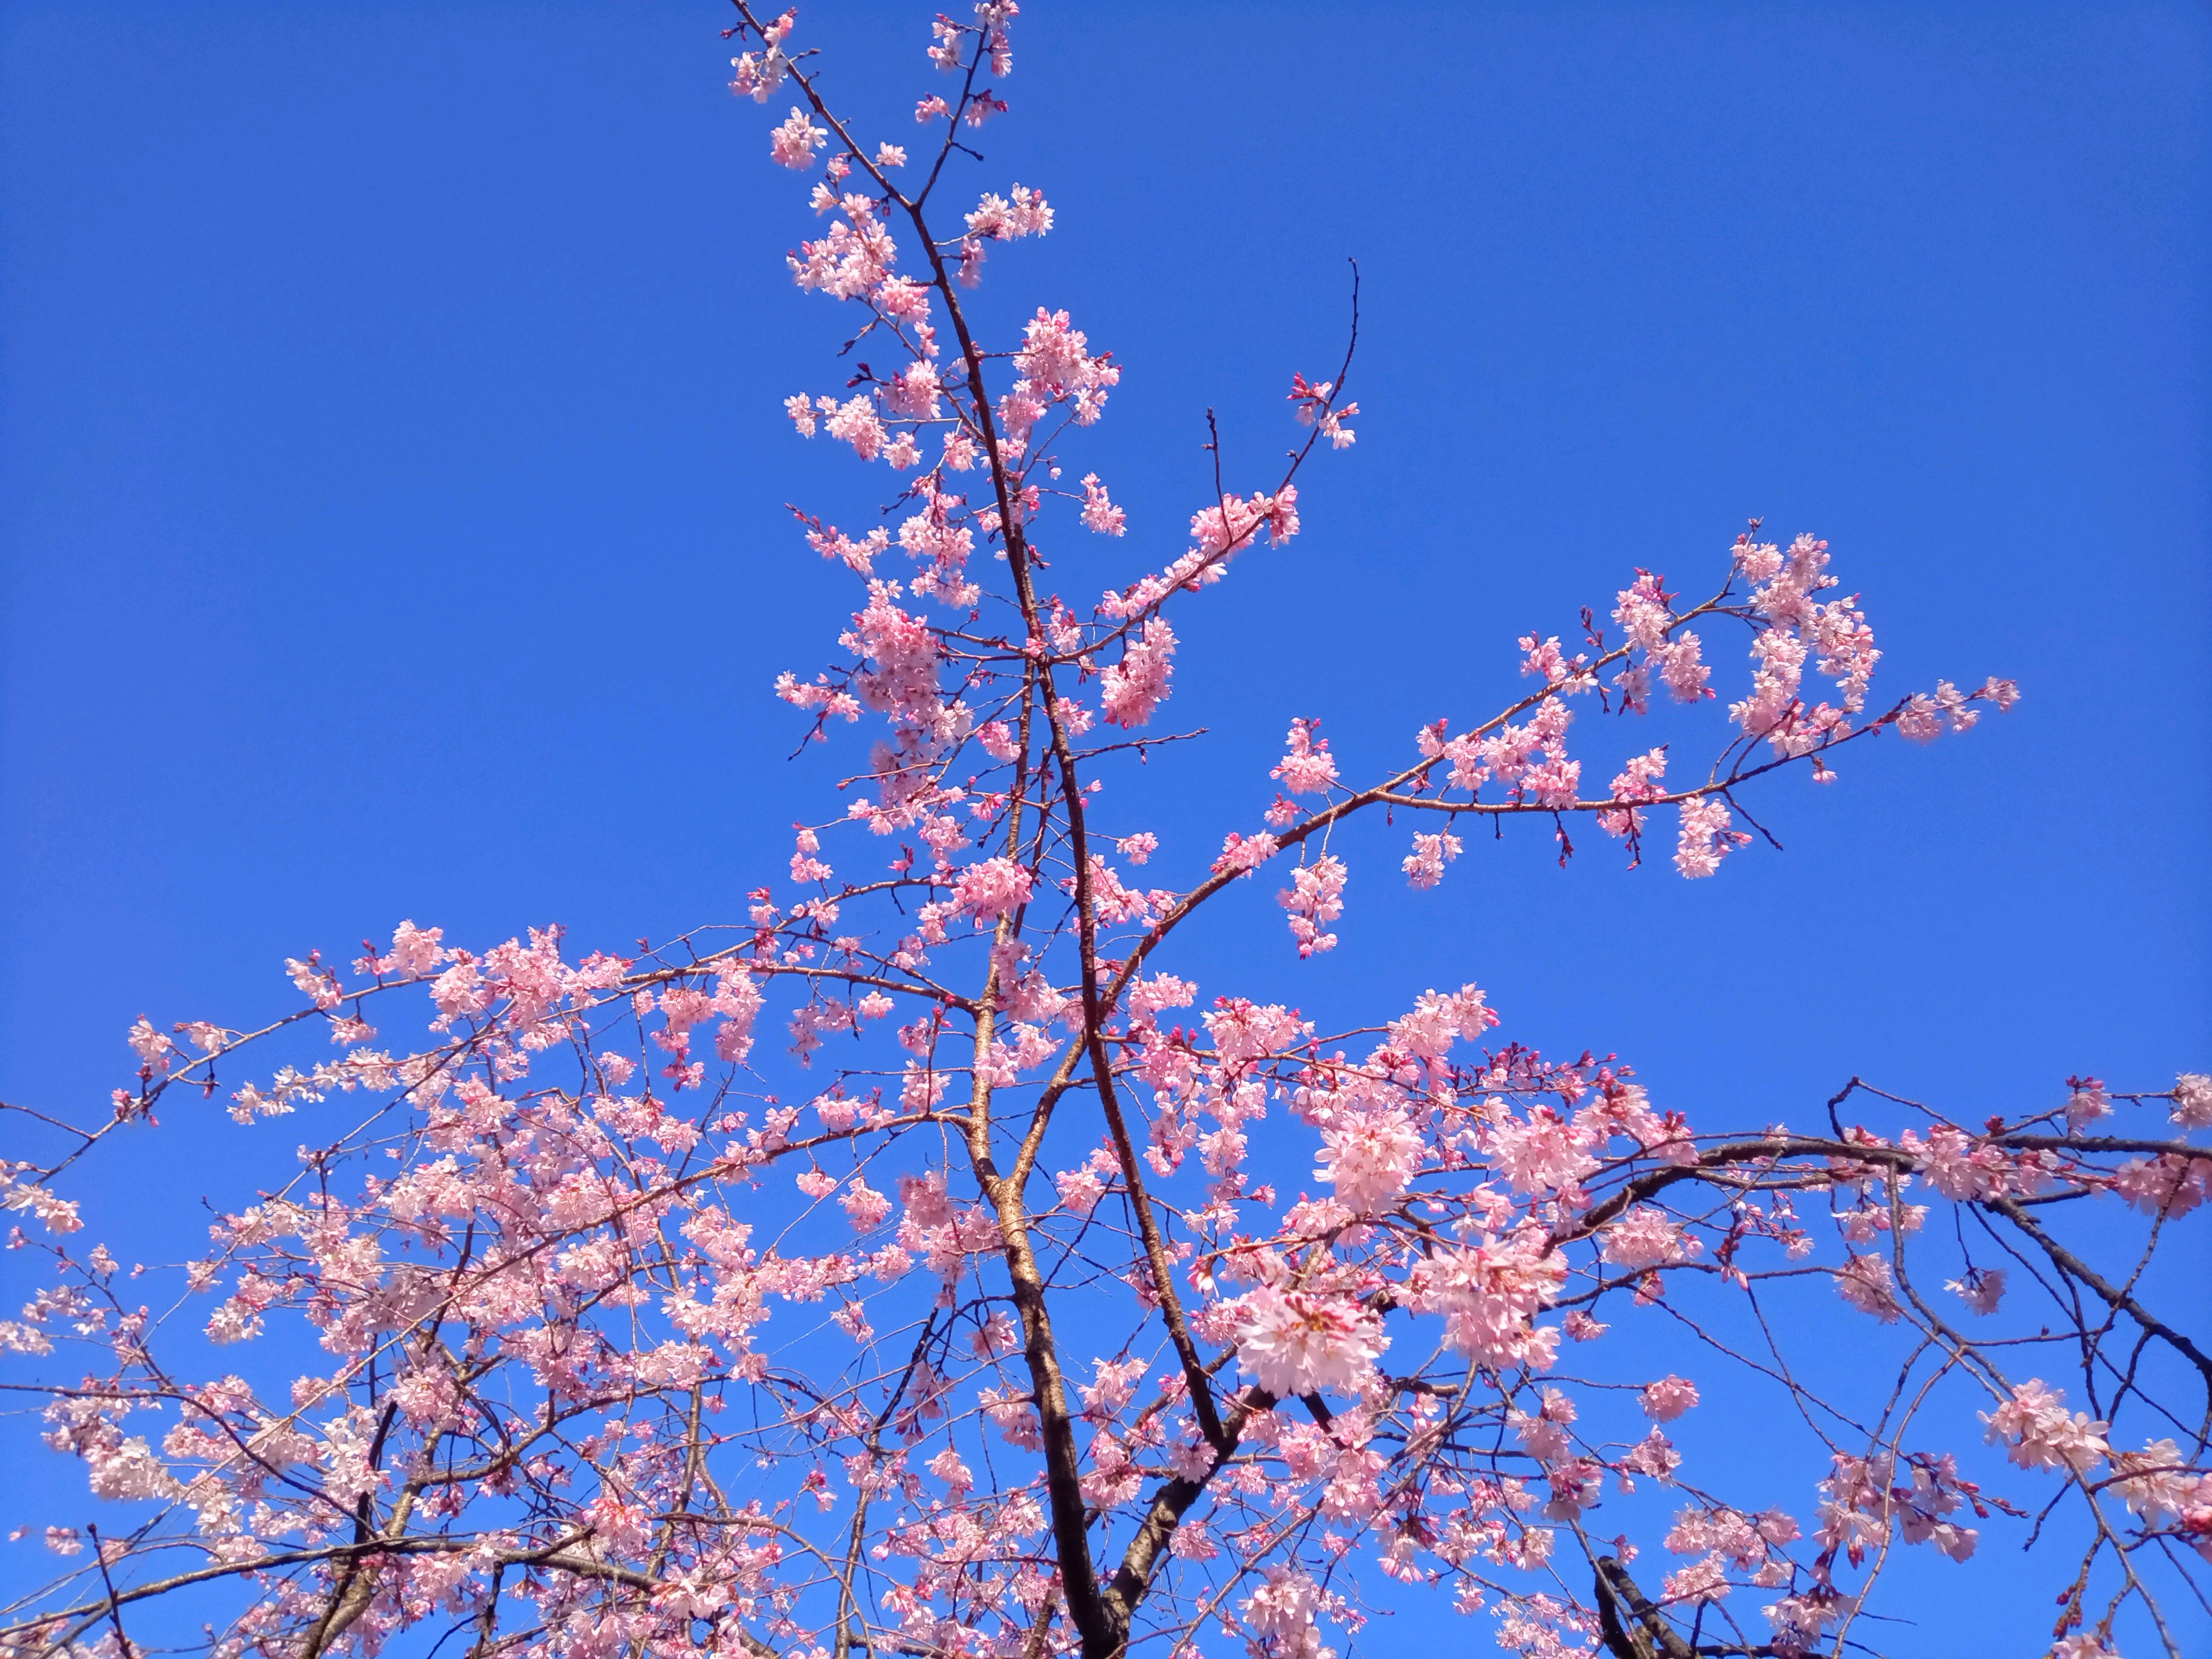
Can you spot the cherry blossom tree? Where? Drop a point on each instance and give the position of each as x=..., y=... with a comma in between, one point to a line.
x=583, y=1330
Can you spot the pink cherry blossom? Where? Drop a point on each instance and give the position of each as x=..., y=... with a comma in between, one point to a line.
x=1981, y=1289
x=1668, y=1398
x=990, y=890
x=1707, y=838
x=2038, y=1432
x=1133, y=688
x=1099, y=513
x=2192, y=1100
x=1314, y=898
x=1308, y=768
x=1369, y=1158
x=1425, y=865
x=1298, y=1343
x=1866, y=1282
x=794, y=144
x=1646, y=1238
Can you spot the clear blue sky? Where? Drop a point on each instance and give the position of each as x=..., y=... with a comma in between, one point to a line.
x=391, y=484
